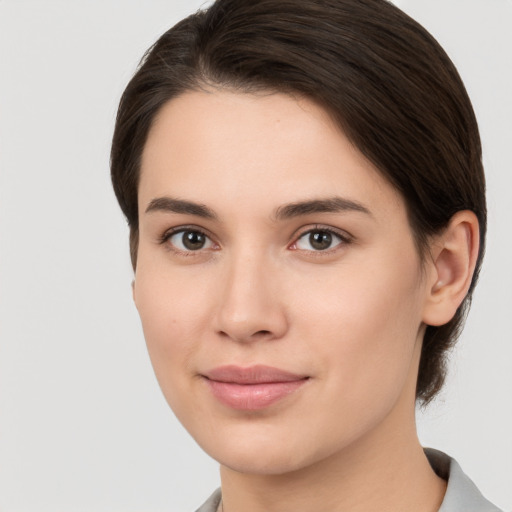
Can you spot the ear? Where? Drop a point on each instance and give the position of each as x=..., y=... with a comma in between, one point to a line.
x=454, y=254
x=133, y=292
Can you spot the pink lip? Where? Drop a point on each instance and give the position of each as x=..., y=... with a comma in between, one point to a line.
x=252, y=388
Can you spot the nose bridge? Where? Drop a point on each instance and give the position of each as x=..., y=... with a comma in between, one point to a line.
x=250, y=305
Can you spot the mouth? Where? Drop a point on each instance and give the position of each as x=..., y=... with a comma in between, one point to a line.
x=252, y=388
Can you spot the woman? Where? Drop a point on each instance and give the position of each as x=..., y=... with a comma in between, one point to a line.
x=305, y=195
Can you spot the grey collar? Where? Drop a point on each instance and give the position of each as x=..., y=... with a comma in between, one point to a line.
x=462, y=494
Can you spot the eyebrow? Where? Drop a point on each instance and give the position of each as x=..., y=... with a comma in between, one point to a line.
x=173, y=205
x=334, y=204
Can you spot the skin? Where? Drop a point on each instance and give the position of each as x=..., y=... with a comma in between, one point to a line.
x=351, y=317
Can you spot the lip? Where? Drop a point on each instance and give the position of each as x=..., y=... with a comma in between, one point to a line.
x=252, y=388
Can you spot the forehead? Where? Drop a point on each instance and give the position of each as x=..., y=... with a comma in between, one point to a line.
x=264, y=149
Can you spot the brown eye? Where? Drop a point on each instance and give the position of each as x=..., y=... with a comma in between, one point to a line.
x=190, y=240
x=318, y=240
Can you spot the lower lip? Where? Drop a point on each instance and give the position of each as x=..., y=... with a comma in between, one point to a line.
x=252, y=397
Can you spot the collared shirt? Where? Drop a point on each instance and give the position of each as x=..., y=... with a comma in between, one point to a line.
x=461, y=495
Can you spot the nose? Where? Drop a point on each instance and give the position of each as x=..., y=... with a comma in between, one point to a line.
x=250, y=305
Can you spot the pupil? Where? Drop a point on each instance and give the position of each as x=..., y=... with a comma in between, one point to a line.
x=320, y=240
x=193, y=240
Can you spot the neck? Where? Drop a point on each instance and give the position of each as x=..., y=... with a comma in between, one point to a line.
x=385, y=470
x=400, y=480
x=396, y=478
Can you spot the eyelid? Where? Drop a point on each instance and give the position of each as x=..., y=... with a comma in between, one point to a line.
x=167, y=234
x=346, y=238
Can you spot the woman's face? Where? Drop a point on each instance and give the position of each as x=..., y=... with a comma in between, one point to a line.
x=278, y=283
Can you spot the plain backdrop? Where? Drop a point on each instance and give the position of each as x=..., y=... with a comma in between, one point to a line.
x=83, y=425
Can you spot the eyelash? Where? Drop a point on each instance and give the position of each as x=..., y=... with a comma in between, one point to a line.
x=344, y=238
x=165, y=238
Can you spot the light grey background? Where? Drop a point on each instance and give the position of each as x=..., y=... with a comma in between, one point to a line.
x=83, y=425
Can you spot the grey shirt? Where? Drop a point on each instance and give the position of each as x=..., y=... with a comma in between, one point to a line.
x=461, y=493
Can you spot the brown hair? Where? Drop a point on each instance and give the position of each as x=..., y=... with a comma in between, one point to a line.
x=381, y=76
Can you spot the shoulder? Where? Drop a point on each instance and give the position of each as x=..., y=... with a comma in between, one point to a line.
x=462, y=495
x=212, y=503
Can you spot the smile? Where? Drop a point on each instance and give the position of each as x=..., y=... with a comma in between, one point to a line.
x=252, y=388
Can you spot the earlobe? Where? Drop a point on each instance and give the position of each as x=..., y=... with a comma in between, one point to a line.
x=454, y=255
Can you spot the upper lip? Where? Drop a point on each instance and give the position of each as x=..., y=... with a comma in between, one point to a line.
x=257, y=374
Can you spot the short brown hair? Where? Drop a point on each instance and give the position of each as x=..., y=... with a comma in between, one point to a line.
x=382, y=77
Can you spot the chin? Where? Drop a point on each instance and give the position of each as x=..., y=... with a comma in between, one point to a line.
x=264, y=463
x=258, y=454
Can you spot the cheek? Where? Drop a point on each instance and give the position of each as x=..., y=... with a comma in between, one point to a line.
x=170, y=302
x=364, y=326
x=173, y=312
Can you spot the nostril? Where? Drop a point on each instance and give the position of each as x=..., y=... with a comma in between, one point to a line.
x=247, y=336
x=262, y=333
